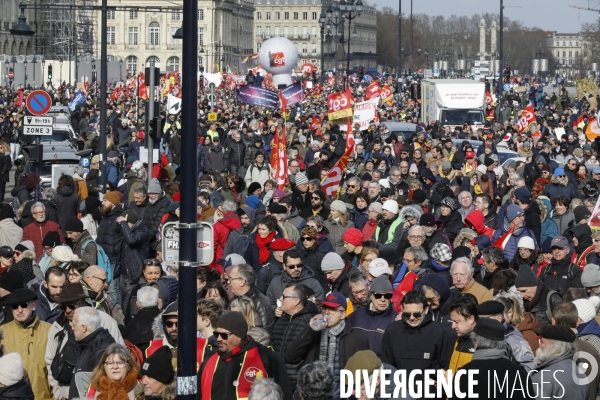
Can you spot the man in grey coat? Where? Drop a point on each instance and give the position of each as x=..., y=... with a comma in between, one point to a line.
x=556, y=374
x=293, y=272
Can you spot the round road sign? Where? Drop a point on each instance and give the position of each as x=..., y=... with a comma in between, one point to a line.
x=506, y=87
x=38, y=102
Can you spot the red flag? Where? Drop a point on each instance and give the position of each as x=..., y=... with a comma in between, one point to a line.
x=502, y=240
x=316, y=123
x=373, y=90
x=279, y=153
x=488, y=98
x=332, y=182
x=526, y=119
x=19, y=101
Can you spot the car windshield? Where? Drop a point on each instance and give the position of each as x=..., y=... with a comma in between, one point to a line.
x=46, y=167
x=459, y=117
x=505, y=156
x=57, y=136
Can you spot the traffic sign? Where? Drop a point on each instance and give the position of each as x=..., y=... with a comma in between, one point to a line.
x=507, y=87
x=212, y=116
x=37, y=130
x=38, y=102
x=204, y=243
x=84, y=162
x=39, y=121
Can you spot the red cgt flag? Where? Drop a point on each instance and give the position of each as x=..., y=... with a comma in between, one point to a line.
x=373, y=90
x=332, y=182
x=279, y=153
x=526, y=119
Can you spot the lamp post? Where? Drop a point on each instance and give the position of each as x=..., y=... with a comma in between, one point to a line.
x=333, y=36
x=426, y=54
x=43, y=69
x=322, y=20
x=14, y=60
x=501, y=55
x=25, y=78
x=350, y=11
x=399, y=68
x=60, y=60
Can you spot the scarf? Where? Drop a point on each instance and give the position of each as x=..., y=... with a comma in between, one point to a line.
x=329, y=342
x=117, y=390
x=263, y=251
x=489, y=354
x=235, y=194
x=236, y=350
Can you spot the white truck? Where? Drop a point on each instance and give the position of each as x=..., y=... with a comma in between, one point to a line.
x=453, y=102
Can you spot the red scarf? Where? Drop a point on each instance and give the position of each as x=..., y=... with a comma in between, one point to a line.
x=235, y=194
x=263, y=250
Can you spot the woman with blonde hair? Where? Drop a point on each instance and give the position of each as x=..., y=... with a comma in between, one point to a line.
x=245, y=305
x=116, y=375
x=337, y=223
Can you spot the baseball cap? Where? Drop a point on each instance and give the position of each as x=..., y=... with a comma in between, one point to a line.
x=560, y=241
x=334, y=300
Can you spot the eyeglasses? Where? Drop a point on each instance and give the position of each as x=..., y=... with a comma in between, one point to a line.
x=169, y=324
x=224, y=335
x=232, y=279
x=307, y=239
x=220, y=210
x=560, y=176
x=408, y=261
x=294, y=266
x=413, y=237
x=48, y=249
x=39, y=213
x=72, y=306
x=352, y=186
x=16, y=306
x=100, y=279
x=283, y=296
x=359, y=292
x=115, y=364
x=407, y=315
x=386, y=296
x=153, y=261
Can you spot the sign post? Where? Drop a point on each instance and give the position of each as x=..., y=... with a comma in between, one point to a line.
x=38, y=103
x=204, y=243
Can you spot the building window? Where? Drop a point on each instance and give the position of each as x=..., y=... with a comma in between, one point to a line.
x=557, y=44
x=268, y=31
x=305, y=15
x=314, y=31
x=200, y=62
x=570, y=62
x=110, y=34
x=133, y=36
x=131, y=63
x=304, y=48
x=564, y=53
x=258, y=47
x=200, y=37
x=576, y=44
x=570, y=53
x=173, y=63
x=110, y=13
x=133, y=14
x=277, y=31
x=154, y=59
x=314, y=49
x=268, y=15
x=201, y=14
x=286, y=15
x=295, y=32
x=314, y=15
x=295, y=15
x=564, y=44
x=175, y=16
x=258, y=15
x=570, y=44
x=576, y=53
x=154, y=33
x=286, y=31
x=277, y=15
x=305, y=32
x=258, y=30
x=558, y=54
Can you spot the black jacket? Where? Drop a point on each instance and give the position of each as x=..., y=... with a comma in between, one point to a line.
x=92, y=347
x=312, y=258
x=533, y=221
x=342, y=283
x=561, y=275
x=452, y=225
x=152, y=217
x=503, y=368
x=22, y=193
x=67, y=206
x=373, y=324
x=139, y=329
x=263, y=309
x=285, y=331
x=428, y=346
x=538, y=306
x=300, y=200
x=139, y=210
x=5, y=166
x=237, y=152
x=19, y=391
x=110, y=236
x=228, y=372
x=134, y=250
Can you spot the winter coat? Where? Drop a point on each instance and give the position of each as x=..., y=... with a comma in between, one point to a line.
x=46, y=309
x=110, y=236
x=90, y=255
x=359, y=218
x=139, y=328
x=92, y=347
x=254, y=173
x=134, y=250
x=312, y=258
x=511, y=246
x=237, y=152
x=21, y=193
x=67, y=205
x=342, y=283
x=175, y=149
x=539, y=186
x=479, y=291
x=36, y=231
x=549, y=227
x=251, y=255
x=300, y=200
x=389, y=242
x=373, y=324
x=222, y=229
x=286, y=329
x=562, y=370
x=153, y=216
x=533, y=220
x=30, y=343
x=5, y=165
x=264, y=311
x=562, y=275
x=336, y=230
x=18, y=391
x=10, y=233
x=216, y=158
x=538, y=306
x=528, y=328
x=306, y=278
x=452, y=225
x=427, y=346
x=476, y=219
x=521, y=350
x=555, y=189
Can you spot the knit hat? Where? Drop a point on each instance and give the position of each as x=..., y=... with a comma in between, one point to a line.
x=252, y=202
x=282, y=244
x=168, y=289
x=513, y=211
x=558, y=172
x=154, y=186
x=437, y=282
x=590, y=277
x=450, y=203
x=490, y=328
x=74, y=224
x=11, y=280
x=173, y=206
x=378, y=267
x=366, y=177
x=391, y=206
x=526, y=277
x=51, y=239
x=413, y=168
x=362, y=360
x=490, y=307
x=377, y=207
x=339, y=206
x=353, y=236
x=11, y=369
x=6, y=212
x=254, y=186
x=585, y=309
x=561, y=333
x=332, y=262
x=301, y=179
x=581, y=212
x=523, y=194
x=64, y=253
x=130, y=216
x=276, y=208
x=461, y=251
x=235, y=323
x=547, y=246
x=488, y=162
x=526, y=242
x=25, y=245
x=441, y=252
x=279, y=193
x=381, y=284
x=419, y=196
x=113, y=197
x=427, y=219
x=159, y=365
x=92, y=203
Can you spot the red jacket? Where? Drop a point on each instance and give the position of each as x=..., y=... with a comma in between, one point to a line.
x=222, y=228
x=36, y=232
x=476, y=221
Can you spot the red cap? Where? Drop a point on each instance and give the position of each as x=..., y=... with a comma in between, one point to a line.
x=470, y=154
x=140, y=135
x=282, y=244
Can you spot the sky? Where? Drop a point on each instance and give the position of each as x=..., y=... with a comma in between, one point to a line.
x=550, y=15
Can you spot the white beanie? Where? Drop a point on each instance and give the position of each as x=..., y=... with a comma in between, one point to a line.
x=527, y=243
x=391, y=206
x=585, y=309
x=332, y=262
x=11, y=369
x=64, y=253
x=339, y=206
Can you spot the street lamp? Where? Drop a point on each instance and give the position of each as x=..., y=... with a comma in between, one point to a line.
x=350, y=11
x=426, y=54
x=322, y=21
x=120, y=60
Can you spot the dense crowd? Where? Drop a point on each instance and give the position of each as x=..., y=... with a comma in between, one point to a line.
x=431, y=254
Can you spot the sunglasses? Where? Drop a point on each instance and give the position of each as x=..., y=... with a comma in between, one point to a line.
x=407, y=315
x=152, y=261
x=169, y=324
x=72, y=306
x=386, y=296
x=315, y=198
x=307, y=239
x=352, y=186
x=224, y=335
x=16, y=306
x=294, y=266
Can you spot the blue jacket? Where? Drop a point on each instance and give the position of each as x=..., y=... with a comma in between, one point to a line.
x=510, y=249
x=553, y=190
x=112, y=173
x=43, y=308
x=372, y=324
x=359, y=218
x=589, y=328
x=549, y=227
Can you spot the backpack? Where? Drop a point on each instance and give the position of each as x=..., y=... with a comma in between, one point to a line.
x=15, y=204
x=65, y=359
x=241, y=244
x=101, y=259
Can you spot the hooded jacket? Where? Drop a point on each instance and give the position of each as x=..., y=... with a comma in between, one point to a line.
x=511, y=247
x=216, y=158
x=19, y=391
x=584, y=251
x=110, y=236
x=563, y=222
x=222, y=228
x=306, y=278
x=453, y=223
x=533, y=220
x=555, y=189
x=549, y=227
x=46, y=309
x=67, y=205
x=476, y=220
x=134, y=250
x=153, y=217
x=538, y=305
x=240, y=233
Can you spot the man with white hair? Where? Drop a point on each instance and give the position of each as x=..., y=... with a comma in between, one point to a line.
x=92, y=340
x=462, y=277
x=265, y=389
x=139, y=328
x=466, y=204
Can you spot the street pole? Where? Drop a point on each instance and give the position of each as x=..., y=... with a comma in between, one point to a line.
x=501, y=55
x=150, y=118
x=348, y=55
x=411, y=34
x=103, y=90
x=399, y=68
x=187, y=382
x=322, y=54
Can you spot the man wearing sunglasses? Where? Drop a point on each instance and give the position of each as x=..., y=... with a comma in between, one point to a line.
x=239, y=362
x=561, y=186
x=403, y=345
x=28, y=336
x=372, y=321
x=95, y=283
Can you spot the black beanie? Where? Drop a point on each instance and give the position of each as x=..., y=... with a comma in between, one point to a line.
x=235, y=323
x=11, y=280
x=52, y=239
x=253, y=187
x=526, y=277
x=159, y=365
x=7, y=212
x=74, y=224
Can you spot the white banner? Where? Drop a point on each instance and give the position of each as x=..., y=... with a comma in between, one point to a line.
x=364, y=113
x=173, y=104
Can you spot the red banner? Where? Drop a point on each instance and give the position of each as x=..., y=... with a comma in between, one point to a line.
x=373, y=90
x=339, y=105
x=386, y=93
x=279, y=153
x=316, y=123
x=526, y=119
x=332, y=182
x=488, y=98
